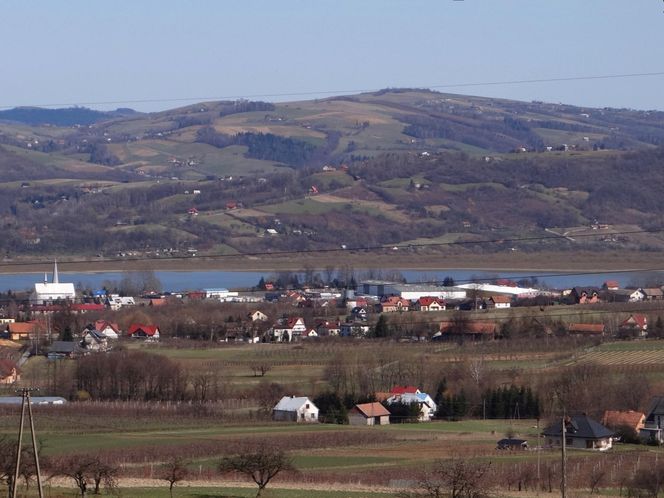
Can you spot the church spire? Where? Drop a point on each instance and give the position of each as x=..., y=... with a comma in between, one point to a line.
x=56, y=277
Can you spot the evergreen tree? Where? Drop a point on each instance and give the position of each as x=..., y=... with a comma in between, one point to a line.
x=381, y=329
x=67, y=336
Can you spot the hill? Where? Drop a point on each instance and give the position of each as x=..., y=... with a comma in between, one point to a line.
x=396, y=168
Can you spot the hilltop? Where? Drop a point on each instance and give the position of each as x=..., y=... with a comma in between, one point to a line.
x=401, y=168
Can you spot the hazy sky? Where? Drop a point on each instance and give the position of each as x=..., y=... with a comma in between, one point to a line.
x=81, y=51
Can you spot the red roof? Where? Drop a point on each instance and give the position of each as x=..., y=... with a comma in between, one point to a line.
x=612, y=284
x=585, y=328
x=103, y=324
x=137, y=328
x=87, y=307
x=428, y=301
x=404, y=390
x=500, y=299
x=640, y=321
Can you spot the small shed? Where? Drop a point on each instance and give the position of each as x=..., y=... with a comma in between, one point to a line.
x=295, y=409
x=369, y=414
x=512, y=444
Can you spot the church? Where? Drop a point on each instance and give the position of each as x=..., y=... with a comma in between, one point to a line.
x=49, y=292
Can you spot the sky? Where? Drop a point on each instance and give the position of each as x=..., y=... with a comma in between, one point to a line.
x=154, y=55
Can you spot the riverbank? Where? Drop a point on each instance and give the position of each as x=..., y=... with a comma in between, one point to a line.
x=403, y=259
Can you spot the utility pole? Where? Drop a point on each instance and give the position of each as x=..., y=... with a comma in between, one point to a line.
x=563, y=434
x=539, y=482
x=25, y=394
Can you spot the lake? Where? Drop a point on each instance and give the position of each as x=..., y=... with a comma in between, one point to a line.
x=192, y=280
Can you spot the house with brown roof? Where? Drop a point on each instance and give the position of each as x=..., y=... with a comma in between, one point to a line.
x=652, y=293
x=20, y=331
x=466, y=329
x=394, y=304
x=615, y=419
x=369, y=414
x=586, y=328
x=9, y=372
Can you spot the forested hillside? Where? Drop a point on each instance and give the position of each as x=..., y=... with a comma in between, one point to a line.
x=393, y=168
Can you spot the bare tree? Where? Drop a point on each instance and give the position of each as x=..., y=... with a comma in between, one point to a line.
x=595, y=478
x=174, y=471
x=261, y=465
x=261, y=368
x=453, y=479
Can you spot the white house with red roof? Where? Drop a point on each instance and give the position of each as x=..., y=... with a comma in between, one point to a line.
x=141, y=331
x=499, y=302
x=635, y=326
x=288, y=329
x=110, y=329
x=430, y=303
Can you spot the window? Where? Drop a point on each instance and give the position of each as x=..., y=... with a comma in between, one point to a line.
x=307, y=406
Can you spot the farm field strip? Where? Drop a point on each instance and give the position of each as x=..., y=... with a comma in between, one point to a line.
x=623, y=357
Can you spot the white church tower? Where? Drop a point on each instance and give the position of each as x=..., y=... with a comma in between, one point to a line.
x=47, y=292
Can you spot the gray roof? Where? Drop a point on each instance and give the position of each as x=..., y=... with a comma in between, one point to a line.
x=656, y=408
x=580, y=426
x=292, y=403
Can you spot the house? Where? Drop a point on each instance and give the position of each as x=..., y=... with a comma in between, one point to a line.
x=354, y=329
x=623, y=296
x=405, y=390
x=652, y=294
x=9, y=372
x=141, y=331
x=466, y=329
x=611, y=285
x=295, y=409
x=580, y=432
x=498, y=302
x=513, y=444
x=310, y=334
x=326, y=328
x=110, y=330
x=192, y=211
x=369, y=414
x=18, y=331
x=115, y=301
x=359, y=313
x=257, y=316
x=584, y=295
x=654, y=423
x=427, y=405
x=64, y=349
x=94, y=341
x=636, y=326
x=429, y=303
x=394, y=304
x=586, y=328
x=615, y=419
x=288, y=329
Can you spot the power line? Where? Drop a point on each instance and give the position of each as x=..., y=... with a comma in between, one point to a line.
x=340, y=92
